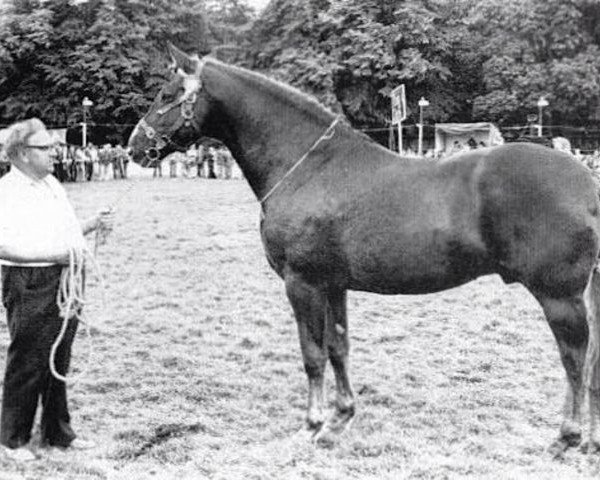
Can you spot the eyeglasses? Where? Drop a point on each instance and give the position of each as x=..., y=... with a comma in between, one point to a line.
x=45, y=148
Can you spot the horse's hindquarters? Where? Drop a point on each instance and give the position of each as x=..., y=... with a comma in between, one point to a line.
x=539, y=222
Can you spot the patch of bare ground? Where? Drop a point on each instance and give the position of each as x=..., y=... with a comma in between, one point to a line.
x=196, y=372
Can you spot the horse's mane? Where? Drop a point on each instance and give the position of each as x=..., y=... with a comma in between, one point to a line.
x=291, y=95
x=287, y=93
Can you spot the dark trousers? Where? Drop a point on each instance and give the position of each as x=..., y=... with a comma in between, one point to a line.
x=29, y=296
x=89, y=170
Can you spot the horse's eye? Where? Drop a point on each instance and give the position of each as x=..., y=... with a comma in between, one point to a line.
x=168, y=96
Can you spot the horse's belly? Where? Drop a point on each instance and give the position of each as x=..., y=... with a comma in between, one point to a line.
x=421, y=263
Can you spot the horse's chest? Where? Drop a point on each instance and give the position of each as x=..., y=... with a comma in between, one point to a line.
x=310, y=246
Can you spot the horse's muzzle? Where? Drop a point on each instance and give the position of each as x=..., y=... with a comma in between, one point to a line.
x=152, y=156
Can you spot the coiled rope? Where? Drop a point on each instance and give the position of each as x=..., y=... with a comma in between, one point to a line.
x=70, y=300
x=70, y=297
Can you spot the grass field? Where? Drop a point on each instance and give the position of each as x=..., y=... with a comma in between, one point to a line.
x=196, y=371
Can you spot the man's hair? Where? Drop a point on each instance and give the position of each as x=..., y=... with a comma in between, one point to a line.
x=19, y=134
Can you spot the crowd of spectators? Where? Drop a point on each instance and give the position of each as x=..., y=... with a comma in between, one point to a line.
x=83, y=164
x=201, y=161
x=78, y=164
x=591, y=158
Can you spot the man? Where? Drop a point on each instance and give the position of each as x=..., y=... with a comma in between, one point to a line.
x=4, y=165
x=105, y=158
x=38, y=229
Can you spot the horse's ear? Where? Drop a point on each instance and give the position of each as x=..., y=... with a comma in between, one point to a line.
x=182, y=60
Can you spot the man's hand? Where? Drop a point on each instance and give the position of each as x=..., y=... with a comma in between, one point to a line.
x=105, y=220
x=104, y=225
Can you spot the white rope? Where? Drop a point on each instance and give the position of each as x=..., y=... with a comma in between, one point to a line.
x=70, y=300
x=70, y=297
x=326, y=136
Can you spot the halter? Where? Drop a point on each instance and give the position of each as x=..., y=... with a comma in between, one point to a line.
x=327, y=135
x=186, y=102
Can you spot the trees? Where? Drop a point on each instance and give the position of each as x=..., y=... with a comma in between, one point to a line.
x=352, y=53
x=487, y=60
x=57, y=52
x=539, y=47
x=474, y=60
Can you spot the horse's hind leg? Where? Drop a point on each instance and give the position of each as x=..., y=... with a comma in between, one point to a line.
x=338, y=349
x=592, y=299
x=567, y=318
x=309, y=305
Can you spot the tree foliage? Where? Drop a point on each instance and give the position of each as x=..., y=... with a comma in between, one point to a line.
x=538, y=47
x=352, y=53
x=113, y=51
x=484, y=60
x=474, y=60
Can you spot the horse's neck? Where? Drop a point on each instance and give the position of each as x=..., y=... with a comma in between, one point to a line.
x=266, y=134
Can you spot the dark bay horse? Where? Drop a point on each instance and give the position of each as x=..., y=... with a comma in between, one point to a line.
x=340, y=212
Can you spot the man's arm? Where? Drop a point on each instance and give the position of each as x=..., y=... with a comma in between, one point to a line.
x=90, y=225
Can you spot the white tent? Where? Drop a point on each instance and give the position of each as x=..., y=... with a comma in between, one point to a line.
x=562, y=144
x=449, y=135
x=3, y=135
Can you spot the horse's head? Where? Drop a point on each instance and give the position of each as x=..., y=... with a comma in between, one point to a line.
x=173, y=121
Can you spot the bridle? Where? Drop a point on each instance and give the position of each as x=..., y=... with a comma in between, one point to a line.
x=186, y=118
x=186, y=103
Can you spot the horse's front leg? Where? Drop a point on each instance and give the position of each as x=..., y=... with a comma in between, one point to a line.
x=309, y=305
x=338, y=347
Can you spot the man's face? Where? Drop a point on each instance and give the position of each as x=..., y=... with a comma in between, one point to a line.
x=40, y=153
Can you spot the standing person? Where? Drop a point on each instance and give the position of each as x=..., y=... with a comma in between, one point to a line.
x=188, y=161
x=57, y=171
x=116, y=160
x=125, y=161
x=4, y=165
x=157, y=169
x=210, y=163
x=38, y=229
x=88, y=163
x=199, y=160
x=173, y=161
x=225, y=161
x=104, y=157
x=64, y=162
x=72, y=163
x=80, y=162
x=94, y=160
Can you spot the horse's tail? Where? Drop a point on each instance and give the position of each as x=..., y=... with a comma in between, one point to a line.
x=591, y=371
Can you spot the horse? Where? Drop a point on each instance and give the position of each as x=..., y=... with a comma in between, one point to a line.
x=340, y=212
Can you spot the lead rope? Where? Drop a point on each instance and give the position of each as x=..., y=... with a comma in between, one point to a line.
x=70, y=300
x=70, y=297
x=100, y=235
x=326, y=136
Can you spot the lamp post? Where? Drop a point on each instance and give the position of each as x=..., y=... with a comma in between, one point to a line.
x=541, y=103
x=85, y=103
x=422, y=104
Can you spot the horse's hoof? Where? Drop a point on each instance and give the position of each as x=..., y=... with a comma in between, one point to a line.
x=335, y=425
x=304, y=435
x=590, y=446
x=558, y=448
x=563, y=443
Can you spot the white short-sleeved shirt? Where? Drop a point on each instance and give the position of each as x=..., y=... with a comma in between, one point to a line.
x=36, y=212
